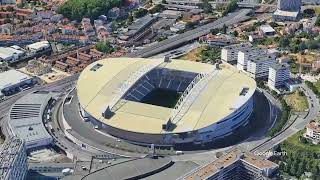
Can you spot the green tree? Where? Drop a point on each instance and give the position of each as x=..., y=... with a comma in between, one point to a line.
x=206, y=6
x=140, y=12
x=284, y=42
x=77, y=9
x=232, y=6
x=104, y=46
x=157, y=8
x=224, y=29
x=235, y=33
x=318, y=20
x=130, y=18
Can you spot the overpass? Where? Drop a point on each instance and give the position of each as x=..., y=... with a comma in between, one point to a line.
x=188, y=36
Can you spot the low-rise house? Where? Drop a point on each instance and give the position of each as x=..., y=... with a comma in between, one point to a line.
x=218, y=40
x=267, y=30
x=313, y=132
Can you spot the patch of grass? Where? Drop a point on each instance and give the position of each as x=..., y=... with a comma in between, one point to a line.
x=293, y=143
x=317, y=10
x=297, y=100
x=193, y=55
x=317, y=85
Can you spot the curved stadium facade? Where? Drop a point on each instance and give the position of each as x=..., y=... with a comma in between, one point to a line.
x=165, y=102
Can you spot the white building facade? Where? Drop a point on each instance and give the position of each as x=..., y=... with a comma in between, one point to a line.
x=313, y=132
x=278, y=74
x=13, y=160
x=259, y=67
x=245, y=55
x=229, y=54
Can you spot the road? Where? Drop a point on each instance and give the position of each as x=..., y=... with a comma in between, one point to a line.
x=297, y=125
x=60, y=86
x=188, y=36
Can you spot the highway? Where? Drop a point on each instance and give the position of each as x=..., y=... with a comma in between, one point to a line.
x=188, y=36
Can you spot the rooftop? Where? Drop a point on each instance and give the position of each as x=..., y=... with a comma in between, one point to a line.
x=230, y=158
x=11, y=77
x=315, y=126
x=7, y=52
x=26, y=117
x=267, y=28
x=279, y=12
x=262, y=59
x=38, y=45
x=238, y=46
x=279, y=66
x=216, y=101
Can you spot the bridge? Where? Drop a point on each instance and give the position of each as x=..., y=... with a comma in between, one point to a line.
x=188, y=36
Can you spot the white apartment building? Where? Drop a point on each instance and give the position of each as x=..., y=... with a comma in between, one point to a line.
x=278, y=74
x=259, y=67
x=313, y=132
x=13, y=159
x=250, y=53
x=229, y=54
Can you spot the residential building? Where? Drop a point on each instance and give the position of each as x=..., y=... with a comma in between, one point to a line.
x=259, y=67
x=236, y=164
x=250, y=53
x=313, y=132
x=229, y=54
x=6, y=29
x=278, y=74
x=13, y=81
x=287, y=10
x=13, y=159
x=218, y=40
x=255, y=37
x=289, y=5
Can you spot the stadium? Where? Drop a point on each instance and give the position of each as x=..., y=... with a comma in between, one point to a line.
x=165, y=101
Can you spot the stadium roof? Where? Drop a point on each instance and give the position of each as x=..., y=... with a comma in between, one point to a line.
x=217, y=100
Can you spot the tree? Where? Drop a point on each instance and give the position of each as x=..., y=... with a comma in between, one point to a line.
x=206, y=6
x=292, y=169
x=308, y=13
x=232, y=6
x=140, y=12
x=130, y=18
x=284, y=42
x=77, y=9
x=235, y=33
x=157, y=8
x=104, y=46
x=224, y=29
x=318, y=20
